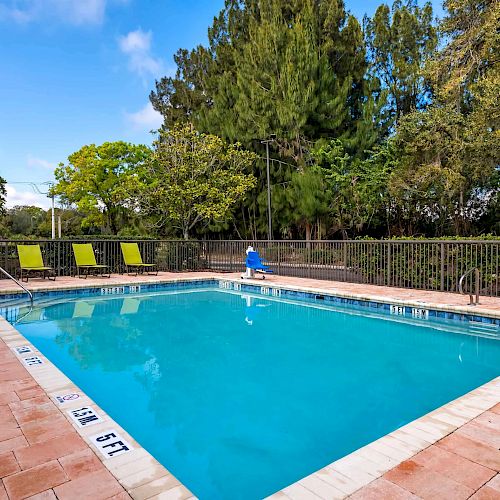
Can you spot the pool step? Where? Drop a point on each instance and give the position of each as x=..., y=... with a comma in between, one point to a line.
x=487, y=329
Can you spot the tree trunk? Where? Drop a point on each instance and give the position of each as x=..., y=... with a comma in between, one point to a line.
x=308, y=235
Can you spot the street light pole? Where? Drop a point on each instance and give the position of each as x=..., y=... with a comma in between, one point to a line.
x=269, y=217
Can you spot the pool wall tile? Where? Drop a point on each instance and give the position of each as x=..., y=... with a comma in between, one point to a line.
x=329, y=297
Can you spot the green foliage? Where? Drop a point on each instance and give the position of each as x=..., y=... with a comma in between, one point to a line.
x=473, y=43
x=98, y=180
x=356, y=189
x=3, y=195
x=293, y=69
x=400, y=41
x=450, y=153
x=192, y=178
x=385, y=131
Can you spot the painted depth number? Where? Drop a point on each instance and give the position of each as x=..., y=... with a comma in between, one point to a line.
x=110, y=444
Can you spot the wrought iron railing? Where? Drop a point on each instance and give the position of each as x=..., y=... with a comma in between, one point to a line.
x=419, y=264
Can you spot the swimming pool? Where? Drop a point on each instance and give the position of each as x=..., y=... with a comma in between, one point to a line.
x=240, y=394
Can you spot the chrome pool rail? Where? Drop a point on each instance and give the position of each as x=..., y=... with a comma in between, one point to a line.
x=477, y=276
x=17, y=282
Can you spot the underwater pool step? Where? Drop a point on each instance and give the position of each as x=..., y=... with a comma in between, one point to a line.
x=485, y=329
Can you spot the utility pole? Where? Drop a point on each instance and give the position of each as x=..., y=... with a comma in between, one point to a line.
x=53, y=219
x=269, y=215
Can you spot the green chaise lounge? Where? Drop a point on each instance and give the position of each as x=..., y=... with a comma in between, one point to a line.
x=31, y=261
x=85, y=261
x=133, y=259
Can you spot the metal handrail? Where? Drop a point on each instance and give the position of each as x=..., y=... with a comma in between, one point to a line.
x=17, y=282
x=477, y=274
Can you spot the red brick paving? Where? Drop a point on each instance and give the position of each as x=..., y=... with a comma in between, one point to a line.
x=35, y=480
x=383, y=489
x=453, y=466
x=39, y=449
x=98, y=484
x=459, y=466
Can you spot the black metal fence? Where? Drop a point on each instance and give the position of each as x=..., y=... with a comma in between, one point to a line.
x=420, y=264
x=169, y=255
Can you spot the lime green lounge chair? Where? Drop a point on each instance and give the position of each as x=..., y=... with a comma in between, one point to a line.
x=31, y=261
x=133, y=259
x=85, y=261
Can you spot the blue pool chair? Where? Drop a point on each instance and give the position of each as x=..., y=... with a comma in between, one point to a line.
x=254, y=262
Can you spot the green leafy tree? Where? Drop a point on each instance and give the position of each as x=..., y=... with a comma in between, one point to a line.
x=440, y=178
x=356, y=189
x=3, y=195
x=400, y=41
x=24, y=220
x=470, y=56
x=450, y=154
x=98, y=179
x=192, y=178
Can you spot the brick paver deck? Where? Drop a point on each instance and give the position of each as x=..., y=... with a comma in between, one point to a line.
x=464, y=464
x=43, y=457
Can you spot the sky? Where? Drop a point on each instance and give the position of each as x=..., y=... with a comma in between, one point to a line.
x=76, y=72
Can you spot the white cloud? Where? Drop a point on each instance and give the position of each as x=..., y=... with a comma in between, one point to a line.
x=39, y=163
x=147, y=118
x=76, y=12
x=15, y=197
x=137, y=46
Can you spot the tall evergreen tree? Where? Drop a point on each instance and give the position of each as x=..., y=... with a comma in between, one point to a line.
x=400, y=41
x=294, y=69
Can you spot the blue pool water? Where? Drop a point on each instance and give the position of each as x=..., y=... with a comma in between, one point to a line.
x=239, y=395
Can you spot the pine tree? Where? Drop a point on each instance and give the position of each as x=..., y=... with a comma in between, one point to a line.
x=400, y=41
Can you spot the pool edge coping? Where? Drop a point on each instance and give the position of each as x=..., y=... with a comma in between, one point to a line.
x=340, y=478
x=347, y=475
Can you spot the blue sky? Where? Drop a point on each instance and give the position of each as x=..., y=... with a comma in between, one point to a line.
x=75, y=72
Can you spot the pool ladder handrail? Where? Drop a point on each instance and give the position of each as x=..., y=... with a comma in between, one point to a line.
x=477, y=274
x=17, y=282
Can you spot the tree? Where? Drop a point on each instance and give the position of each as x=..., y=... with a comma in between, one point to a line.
x=293, y=69
x=400, y=41
x=308, y=200
x=440, y=178
x=450, y=154
x=356, y=189
x=3, y=195
x=98, y=180
x=192, y=178
x=471, y=28
x=24, y=220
